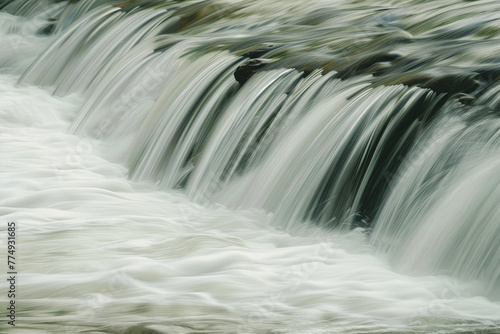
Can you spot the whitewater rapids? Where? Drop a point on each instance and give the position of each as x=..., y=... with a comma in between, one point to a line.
x=98, y=253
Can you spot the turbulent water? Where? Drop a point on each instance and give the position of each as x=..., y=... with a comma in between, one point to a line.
x=251, y=167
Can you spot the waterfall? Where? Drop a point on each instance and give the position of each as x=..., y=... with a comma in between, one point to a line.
x=440, y=214
x=221, y=141
x=200, y=130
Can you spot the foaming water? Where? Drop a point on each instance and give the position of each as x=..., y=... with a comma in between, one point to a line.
x=20, y=44
x=100, y=253
x=449, y=204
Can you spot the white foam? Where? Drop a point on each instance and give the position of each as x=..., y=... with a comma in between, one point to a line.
x=97, y=252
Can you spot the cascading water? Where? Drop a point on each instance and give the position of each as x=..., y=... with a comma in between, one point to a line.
x=440, y=214
x=252, y=167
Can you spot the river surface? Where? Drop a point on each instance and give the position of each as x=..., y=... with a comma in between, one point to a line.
x=151, y=191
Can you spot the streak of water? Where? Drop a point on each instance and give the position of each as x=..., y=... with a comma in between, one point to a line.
x=352, y=117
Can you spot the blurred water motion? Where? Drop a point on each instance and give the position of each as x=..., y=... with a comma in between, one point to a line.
x=252, y=166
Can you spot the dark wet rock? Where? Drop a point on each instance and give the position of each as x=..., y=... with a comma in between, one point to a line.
x=203, y=13
x=388, y=57
x=465, y=99
x=46, y=30
x=306, y=63
x=246, y=70
x=141, y=330
x=488, y=74
x=365, y=64
x=262, y=50
x=188, y=15
x=452, y=84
